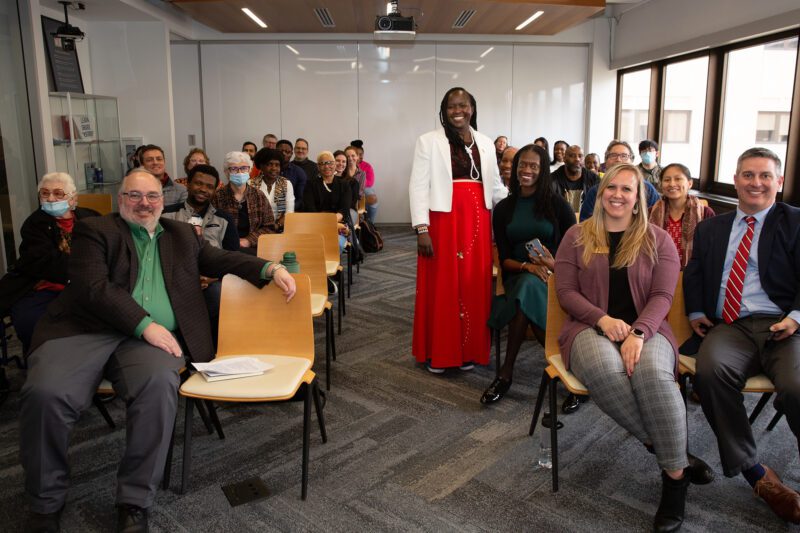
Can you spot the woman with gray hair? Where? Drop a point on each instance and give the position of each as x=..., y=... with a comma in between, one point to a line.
x=326, y=193
x=246, y=205
x=40, y=273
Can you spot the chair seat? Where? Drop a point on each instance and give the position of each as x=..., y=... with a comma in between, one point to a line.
x=331, y=267
x=494, y=271
x=318, y=304
x=759, y=383
x=279, y=382
x=105, y=387
x=568, y=378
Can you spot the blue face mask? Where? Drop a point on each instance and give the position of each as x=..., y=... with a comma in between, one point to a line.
x=239, y=179
x=56, y=209
x=648, y=158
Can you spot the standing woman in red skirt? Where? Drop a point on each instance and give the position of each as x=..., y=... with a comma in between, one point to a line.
x=454, y=184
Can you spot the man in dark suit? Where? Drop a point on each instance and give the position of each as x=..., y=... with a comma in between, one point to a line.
x=133, y=307
x=742, y=296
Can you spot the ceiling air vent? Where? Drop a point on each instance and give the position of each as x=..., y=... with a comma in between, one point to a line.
x=324, y=17
x=463, y=19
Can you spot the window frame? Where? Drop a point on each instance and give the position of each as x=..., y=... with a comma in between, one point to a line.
x=712, y=128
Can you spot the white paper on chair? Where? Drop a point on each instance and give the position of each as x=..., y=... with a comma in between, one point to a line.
x=233, y=367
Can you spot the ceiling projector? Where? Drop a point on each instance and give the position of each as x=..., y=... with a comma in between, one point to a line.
x=394, y=26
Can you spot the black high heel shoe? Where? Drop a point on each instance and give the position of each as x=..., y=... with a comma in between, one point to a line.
x=496, y=391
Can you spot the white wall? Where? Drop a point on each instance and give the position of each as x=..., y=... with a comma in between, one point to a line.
x=386, y=94
x=185, y=68
x=131, y=60
x=663, y=28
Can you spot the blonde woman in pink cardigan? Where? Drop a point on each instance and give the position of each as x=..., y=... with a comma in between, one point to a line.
x=615, y=277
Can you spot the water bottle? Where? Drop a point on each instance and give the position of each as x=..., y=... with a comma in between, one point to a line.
x=545, y=451
x=290, y=262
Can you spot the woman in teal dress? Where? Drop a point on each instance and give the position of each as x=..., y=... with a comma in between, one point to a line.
x=532, y=210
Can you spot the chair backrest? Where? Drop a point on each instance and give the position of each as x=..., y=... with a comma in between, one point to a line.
x=362, y=205
x=320, y=223
x=102, y=203
x=677, y=318
x=308, y=249
x=555, y=317
x=260, y=321
x=499, y=289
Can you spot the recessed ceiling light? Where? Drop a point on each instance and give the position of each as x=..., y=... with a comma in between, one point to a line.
x=530, y=19
x=301, y=67
x=292, y=49
x=254, y=17
x=480, y=68
x=486, y=53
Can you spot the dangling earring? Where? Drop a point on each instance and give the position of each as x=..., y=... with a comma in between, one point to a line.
x=636, y=209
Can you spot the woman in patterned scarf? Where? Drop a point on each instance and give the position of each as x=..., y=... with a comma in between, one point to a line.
x=276, y=188
x=678, y=212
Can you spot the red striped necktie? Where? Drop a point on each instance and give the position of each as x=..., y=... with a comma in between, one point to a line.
x=733, y=291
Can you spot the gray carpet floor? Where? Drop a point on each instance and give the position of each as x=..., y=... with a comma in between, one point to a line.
x=407, y=450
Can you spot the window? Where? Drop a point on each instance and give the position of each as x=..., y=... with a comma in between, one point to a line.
x=676, y=127
x=772, y=127
x=756, y=78
x=685, y=84
x=635, y=110
x=705, y=108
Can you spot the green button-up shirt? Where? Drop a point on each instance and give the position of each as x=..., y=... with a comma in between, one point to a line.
x=150, y=291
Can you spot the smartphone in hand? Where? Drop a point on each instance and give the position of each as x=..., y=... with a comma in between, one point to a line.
x=534, y=244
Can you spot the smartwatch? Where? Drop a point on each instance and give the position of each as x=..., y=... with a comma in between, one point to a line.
x=637, y=333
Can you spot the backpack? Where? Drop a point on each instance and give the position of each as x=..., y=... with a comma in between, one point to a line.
x=371, y=240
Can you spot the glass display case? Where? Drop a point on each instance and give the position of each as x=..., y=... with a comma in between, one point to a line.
x=87, y=141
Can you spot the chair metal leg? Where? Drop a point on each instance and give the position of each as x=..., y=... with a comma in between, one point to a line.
x=759, y=407
x=328, y=339
x=212, y=411
x=333, y=337
x=775, y=420
x=204, y=416
x=342, y=302
x=497, y=353
x=318, y=407
x=539, y=402
x=103, y=411
x=306, y=442
x=554, y=431
x=168, y=464
x=349, y=270
x=187, y=446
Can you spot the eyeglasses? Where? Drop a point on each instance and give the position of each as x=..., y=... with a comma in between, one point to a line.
x=136, y=196
x=58, y=194
x=237, y=170
x=621, y=157
x=327, y=163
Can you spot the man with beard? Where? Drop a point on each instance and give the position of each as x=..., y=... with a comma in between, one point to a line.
x=131, y=311
x=293, y=173
x=154, y=162
x=572, y=179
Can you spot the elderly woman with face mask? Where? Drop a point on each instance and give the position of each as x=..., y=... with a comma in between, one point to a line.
x=247, y=205
x=40, y=273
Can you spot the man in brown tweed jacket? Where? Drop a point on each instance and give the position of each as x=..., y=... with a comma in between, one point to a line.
x=131, y=311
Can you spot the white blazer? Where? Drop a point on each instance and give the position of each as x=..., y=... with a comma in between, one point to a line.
x=431, y=185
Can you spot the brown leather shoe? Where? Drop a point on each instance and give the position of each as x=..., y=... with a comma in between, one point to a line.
x=783, y=501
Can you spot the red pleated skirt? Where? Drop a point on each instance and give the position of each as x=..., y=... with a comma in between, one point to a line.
x=454, y=286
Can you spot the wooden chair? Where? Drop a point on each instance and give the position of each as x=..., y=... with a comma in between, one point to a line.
x=102, y=203
x=308, y=249
x=285, y=339
x=557, y=371
x=322, y=224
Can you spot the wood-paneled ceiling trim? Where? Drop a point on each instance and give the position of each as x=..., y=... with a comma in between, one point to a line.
x=492, y=17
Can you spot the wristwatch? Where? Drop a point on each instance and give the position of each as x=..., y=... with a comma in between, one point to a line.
x=421, y=229
x=637, y=333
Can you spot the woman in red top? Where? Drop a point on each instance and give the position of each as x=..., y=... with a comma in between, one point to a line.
x=678, y=212
x=40, y=273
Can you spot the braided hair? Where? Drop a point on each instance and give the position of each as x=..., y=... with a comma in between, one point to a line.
x=452, y=134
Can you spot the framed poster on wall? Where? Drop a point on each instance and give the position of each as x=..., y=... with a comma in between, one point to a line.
x=65, y=71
